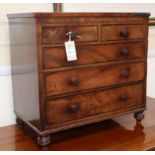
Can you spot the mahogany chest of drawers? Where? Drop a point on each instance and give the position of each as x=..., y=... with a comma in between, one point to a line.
x=107, y=79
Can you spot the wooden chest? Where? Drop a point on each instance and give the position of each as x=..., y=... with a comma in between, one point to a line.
x=107, y=79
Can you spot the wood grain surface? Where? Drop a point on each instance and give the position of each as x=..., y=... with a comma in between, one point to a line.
x=121, y=133
x=89, y=54
x=111, y=51
x=96, y=76
x=97, y=102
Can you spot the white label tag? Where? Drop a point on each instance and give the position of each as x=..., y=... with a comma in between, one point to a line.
x=70, y=50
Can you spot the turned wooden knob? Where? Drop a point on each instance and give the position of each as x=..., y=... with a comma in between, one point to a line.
x=124, y=33
x=75, y=81
x=125, y=74
x=123, y=97
x=124, y=51
x=74, y=108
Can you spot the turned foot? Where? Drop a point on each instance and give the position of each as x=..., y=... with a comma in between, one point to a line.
x=43, y=140
x=19, y=121
x=139, y=115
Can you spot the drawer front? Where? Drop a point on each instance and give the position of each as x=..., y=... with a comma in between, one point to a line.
x=52, y=35
x=96, y=76
x=122, y=32
x=56, y=56
x=105, y=101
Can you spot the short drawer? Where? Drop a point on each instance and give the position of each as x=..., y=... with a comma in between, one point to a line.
x=104, y=102
x=122, y=32
x=54, y=35
x=94, y=76
x=87, y=54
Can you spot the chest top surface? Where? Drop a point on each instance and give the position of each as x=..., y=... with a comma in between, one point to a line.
x=75, y=14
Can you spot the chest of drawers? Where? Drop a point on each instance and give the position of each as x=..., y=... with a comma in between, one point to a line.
x=108, y=78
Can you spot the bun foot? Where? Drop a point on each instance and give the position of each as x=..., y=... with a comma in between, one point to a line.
x=43, y=140
x=139, y=116
x=19, y=121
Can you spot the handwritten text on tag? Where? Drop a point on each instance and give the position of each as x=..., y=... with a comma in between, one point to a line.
x=70, y=50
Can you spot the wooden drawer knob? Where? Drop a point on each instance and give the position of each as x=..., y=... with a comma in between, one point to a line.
x=124, y=33
x=124, y=51
x=75, y=81
x=123, y=97
x=74, y=108
x=125, y=74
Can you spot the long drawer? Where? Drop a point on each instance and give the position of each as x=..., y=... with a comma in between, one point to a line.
x=93, y=76
x=104, y=101
x=88, y=54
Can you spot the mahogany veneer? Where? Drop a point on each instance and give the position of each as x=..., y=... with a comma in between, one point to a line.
x=108, y=78
x=122, y=133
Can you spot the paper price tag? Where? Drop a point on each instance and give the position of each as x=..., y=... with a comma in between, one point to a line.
x=70, y=50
